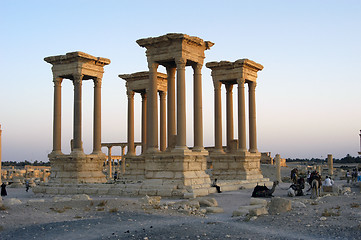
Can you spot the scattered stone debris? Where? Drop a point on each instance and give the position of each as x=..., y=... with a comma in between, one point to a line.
x=279, y=205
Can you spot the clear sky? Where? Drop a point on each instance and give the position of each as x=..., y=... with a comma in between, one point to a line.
x=308, y=94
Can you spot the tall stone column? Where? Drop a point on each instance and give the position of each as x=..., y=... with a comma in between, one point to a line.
x=278, y=167
x=229, y=102
x=57, y=116
x=330, y=164
x=77, y=129
x=252, y=117
x=163, y=121
x=217, y=117
x=130, y=123
x=110, y=162
x=181, y=105
x=242, y=142
x=123, y=160
x=144, y=122
x=152, y=113
x=171, y=104
x=197, y=109
x=97, y=145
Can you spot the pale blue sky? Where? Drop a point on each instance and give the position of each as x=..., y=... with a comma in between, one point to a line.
x=308, y=94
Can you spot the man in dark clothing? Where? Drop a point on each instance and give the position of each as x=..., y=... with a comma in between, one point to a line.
x=3, y=190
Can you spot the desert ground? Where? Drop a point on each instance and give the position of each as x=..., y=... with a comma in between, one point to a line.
x=104, y=217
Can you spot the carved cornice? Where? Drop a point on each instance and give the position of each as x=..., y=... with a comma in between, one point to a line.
x=75, y=57
x=97, y=82
x=57, y=81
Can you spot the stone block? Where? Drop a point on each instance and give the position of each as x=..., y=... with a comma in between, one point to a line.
x=169, y=175
x=258, y=201
x=258, y=211
x=279, y=205
x=72, y=190
x=52, y=190
x=208, y=202
x=240, y=212
x=151, y=192
x=189, y=195
x=11, y=201
x=90, y=191
x=164, y=192
x=103, y=191
x=214, y=210
x=81, y=197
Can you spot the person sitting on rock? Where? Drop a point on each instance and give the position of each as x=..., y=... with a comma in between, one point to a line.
x=214, y=184
x=328, y=182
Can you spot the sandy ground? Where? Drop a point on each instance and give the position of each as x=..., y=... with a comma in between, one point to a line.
x=329, y=217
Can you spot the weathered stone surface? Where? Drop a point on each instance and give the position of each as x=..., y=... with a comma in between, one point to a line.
x=208, y=202
x=12, y=201
x=36, y=200
x=214, y=210
x=297, y=204
x=279, y=205
x=240, y=212
x=81, y=197
x=155, y=200
x=258, y=211
x=258, y=201
x=61, y=199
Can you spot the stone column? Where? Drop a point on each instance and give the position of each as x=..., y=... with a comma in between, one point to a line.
x=278, y=167
x=144, y=122
x=181, y=105
x=242, y=144
x=130, y=123
x=330, y=164
x=77, y=129
x=197, y=109
x=57, y=116
x=97, y=145
x=229, y=103
x=123, y=161
x=152, y=112
x=163, y=121
x=110, y=162
x=171, y=104
x=252, y=117
x=217, y=117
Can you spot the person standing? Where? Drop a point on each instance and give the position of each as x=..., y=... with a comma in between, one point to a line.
x=3, y=190
x=27, y=185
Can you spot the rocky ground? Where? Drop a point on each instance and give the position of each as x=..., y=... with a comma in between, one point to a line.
x=45, y=217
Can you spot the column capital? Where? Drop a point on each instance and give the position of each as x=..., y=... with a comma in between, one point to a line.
x=77, y=79
x=153, y=66
x=241, y=81
x=217, y=84
x=252, y=86
x=162, y=94
x=229, y=88
x=97, y=82
x=197, y=67
x=181, y=63
x=144, y=95
x=130, y=93
x=57, y=81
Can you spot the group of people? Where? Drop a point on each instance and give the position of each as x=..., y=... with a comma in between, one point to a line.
x=354, y=176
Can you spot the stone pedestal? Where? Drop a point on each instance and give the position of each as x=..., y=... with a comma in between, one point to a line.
x=77, y=168
x=134, y=168
x=177, y=174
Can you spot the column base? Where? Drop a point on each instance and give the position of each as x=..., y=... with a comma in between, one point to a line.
x=181, y=149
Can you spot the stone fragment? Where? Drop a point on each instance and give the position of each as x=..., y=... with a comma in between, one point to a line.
x=240, y=212
x=208, y=202
x=258, y=211
x=189, y=195
x=12, y=201
x=61, y=199
x=279, y=205
x=258, y=201
x=323, y=218
x=214, y=210
x=81, y=197
x=297, y=204
x=155, y=200
x=36, y=200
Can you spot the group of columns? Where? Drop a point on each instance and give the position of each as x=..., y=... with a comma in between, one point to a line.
x=145, y=136
x=241, y=115
x=176, y=122
x=77, y=124
x=110, y=162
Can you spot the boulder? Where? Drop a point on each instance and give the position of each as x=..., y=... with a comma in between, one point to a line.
x=81, y=197
x=258, y=201
x=279, y=205
x=240, y=212
x=207, y=202
x=12, y=201
x=154, y=200
x=214, y=210
x=258, y=211
x=298, y=204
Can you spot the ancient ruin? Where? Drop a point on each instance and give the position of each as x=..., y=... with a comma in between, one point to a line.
x=237, y=163
x=77, y=167
x=0, y=154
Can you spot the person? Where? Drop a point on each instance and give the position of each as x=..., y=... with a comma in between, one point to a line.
x=115, y=176
x=328, y=182
x=27, y=185
x=214, y=184
x=359, y=175
x=294, y=175
x=3, y=190
x=348, y=176
x=308, y=176
x=354, y=175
